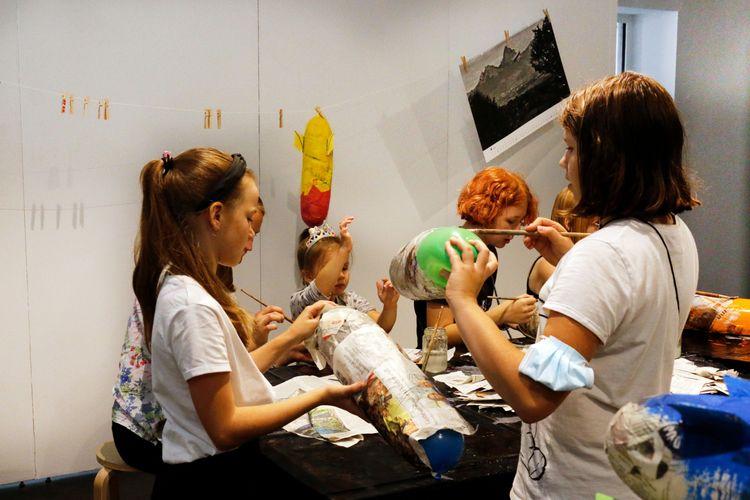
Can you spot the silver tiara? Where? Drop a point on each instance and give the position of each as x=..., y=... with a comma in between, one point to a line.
x=317, y=233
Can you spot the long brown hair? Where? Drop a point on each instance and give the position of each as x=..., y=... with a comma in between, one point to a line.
x=630, y=145
x=171, y=192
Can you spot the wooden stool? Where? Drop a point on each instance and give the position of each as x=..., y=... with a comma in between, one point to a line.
x=105, y=482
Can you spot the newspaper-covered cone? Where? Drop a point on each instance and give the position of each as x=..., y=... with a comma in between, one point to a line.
x=421, y=268
x=400, y=401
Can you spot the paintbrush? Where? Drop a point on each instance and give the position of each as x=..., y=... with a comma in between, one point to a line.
x=497, y=297
x=256, y=299
x=523, y=232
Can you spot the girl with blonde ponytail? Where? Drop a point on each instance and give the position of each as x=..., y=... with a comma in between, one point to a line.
x=197, y=214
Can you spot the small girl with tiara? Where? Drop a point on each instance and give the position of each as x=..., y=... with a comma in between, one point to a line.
x=323, y=260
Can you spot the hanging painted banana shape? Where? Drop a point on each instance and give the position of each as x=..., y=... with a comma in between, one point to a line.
x=317, y=169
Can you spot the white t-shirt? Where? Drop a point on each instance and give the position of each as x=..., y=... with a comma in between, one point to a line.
x=192, y=336
x=617, y=283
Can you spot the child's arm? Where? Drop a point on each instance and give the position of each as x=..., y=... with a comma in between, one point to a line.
x=264, y=322
x=230, y=425
x=515, y=311
x=509, y=311
x=389, y=296
x=434, y=313
x=328, y=276
x=268, y=354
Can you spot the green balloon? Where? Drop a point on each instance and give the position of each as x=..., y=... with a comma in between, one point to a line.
x=432, y=257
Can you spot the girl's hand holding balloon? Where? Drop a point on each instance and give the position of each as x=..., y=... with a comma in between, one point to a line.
x=467, y=275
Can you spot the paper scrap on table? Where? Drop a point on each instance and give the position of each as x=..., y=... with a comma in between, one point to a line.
x=688, y=378
x=465, y=383
x=325, y=423
x=473, y=389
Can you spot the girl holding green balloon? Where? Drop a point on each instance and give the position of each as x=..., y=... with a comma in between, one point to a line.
x=494, y=199
x=615, y=306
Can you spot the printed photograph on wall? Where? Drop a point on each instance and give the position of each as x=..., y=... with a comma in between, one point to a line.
x=515, y=87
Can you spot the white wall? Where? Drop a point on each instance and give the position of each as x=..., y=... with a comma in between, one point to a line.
x=16, y=410
x=386, y=76
x=712, y=91
x=652, y=43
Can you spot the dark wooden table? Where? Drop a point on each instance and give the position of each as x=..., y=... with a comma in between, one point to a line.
x=372, y=468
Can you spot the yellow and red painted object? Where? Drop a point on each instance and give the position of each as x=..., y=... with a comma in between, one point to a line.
x=316, y=146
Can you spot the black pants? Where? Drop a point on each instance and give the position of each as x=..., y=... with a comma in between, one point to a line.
x=136, y=451
x=240, y=472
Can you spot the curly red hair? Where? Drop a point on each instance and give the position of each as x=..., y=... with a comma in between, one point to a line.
x=492, y=190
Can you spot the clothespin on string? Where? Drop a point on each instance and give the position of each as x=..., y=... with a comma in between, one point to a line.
x=464, y=64
x=207, y=118
x=218, y=118
x=281, y=118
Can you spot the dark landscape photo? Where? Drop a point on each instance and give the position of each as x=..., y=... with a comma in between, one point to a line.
x=514, y=82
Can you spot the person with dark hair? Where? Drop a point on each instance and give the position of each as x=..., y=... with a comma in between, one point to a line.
x=494, y=199
x=617, y=301
x=197, y=213
x=323, y=259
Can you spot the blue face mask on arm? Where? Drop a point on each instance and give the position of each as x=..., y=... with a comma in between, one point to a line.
x=555, y=364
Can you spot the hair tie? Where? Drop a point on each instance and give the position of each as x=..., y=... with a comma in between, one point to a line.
x=166, y=158
x=226, y=184
x=317, y=233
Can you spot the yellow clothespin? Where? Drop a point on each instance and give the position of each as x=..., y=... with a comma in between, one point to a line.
x=207, y=118
x=507, y=38
x=106, y=108
x=281, y=118
x=71, y=100
x=218, y=118
x=464, y=64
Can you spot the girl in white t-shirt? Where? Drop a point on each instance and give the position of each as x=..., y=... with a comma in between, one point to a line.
x=617, y=301
x=197, y=213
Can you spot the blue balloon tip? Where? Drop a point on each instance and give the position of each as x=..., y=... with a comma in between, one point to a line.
x=444, y=450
